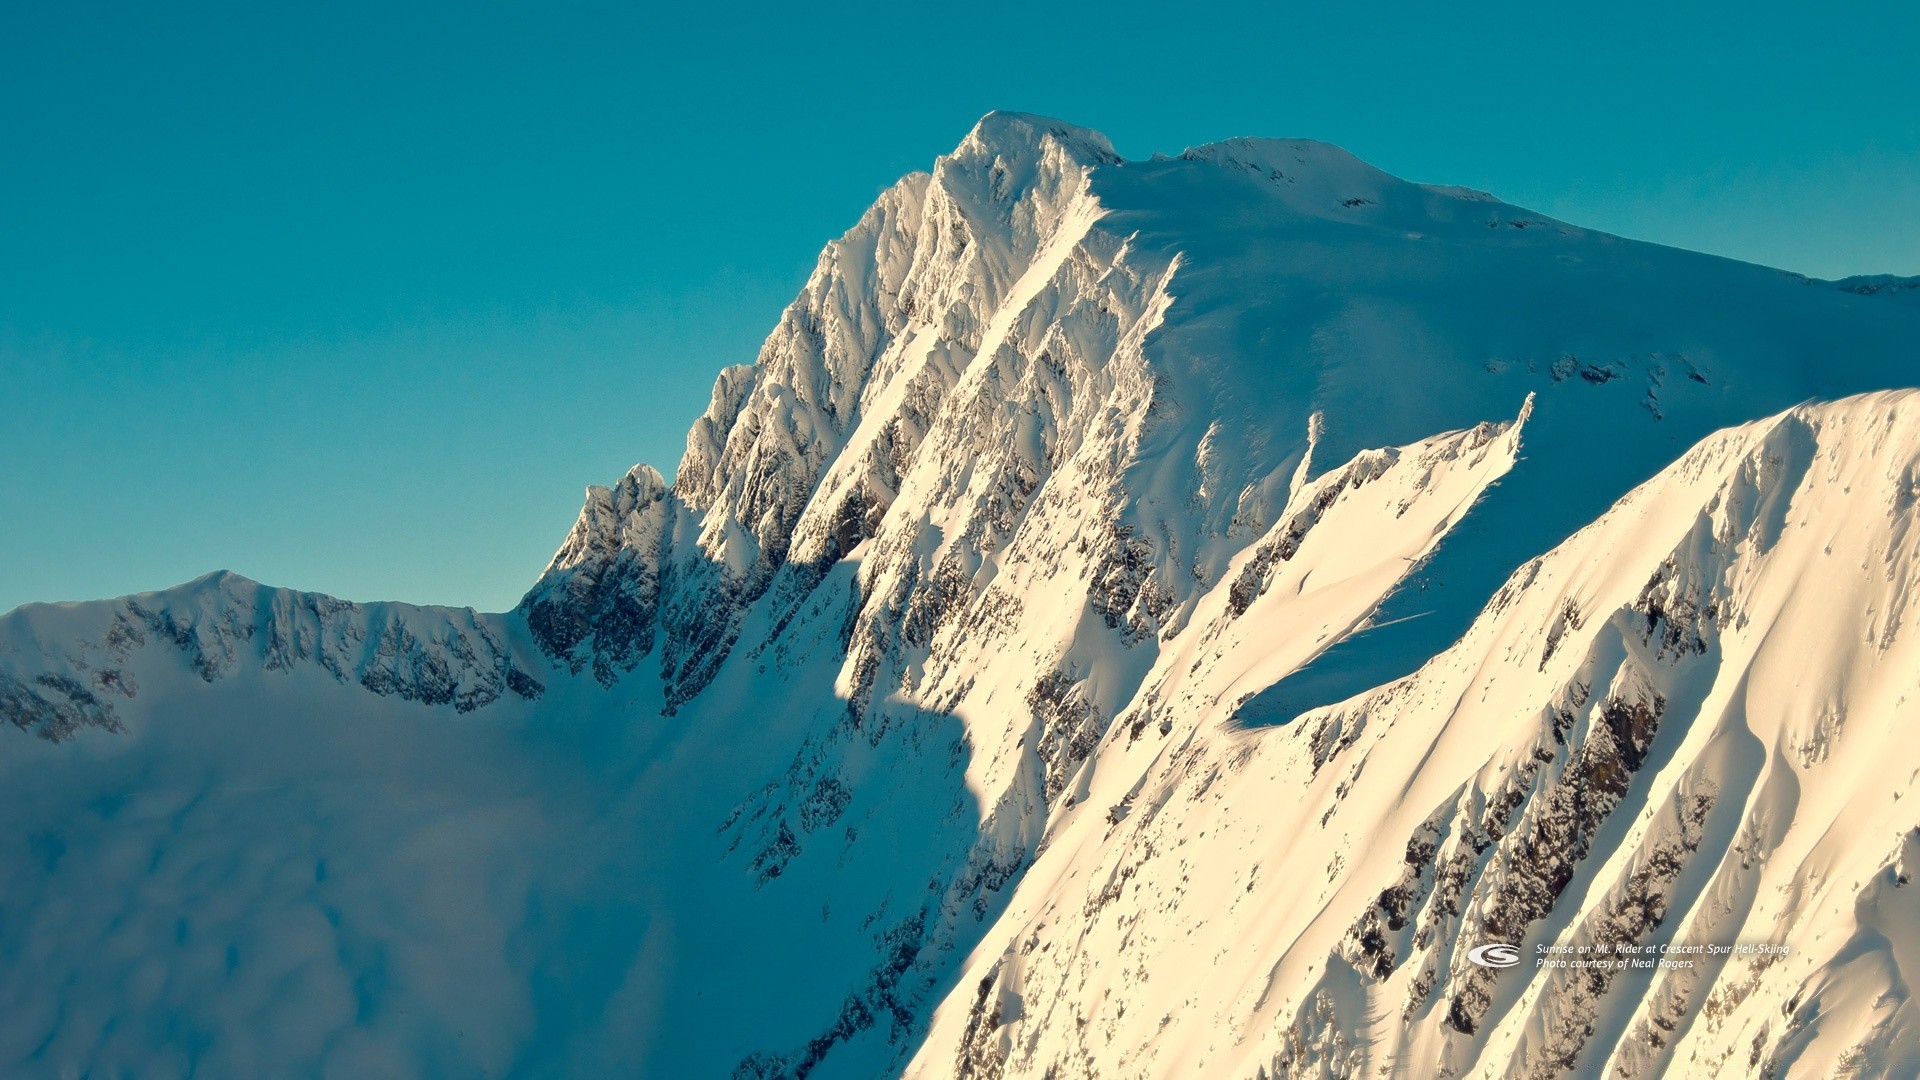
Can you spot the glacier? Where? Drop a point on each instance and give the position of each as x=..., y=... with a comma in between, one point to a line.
x=1134, y=618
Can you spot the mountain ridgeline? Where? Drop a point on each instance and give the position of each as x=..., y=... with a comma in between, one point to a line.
x=1134, y=618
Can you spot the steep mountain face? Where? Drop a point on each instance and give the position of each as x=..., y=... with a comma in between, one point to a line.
x=1683, y=729
x=1133, y=618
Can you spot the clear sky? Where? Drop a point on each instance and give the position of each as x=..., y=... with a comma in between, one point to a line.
x=357, y=297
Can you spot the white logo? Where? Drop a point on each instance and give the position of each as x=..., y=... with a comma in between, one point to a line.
x=1495, y=955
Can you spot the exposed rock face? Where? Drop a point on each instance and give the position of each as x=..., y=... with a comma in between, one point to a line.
x=599, y=602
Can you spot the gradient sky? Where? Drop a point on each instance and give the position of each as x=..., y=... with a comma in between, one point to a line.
x=357, y=297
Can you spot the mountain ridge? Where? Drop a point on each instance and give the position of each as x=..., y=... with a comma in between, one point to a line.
x=864, y=375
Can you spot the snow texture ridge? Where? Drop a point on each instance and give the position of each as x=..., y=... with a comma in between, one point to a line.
x=1143, y=618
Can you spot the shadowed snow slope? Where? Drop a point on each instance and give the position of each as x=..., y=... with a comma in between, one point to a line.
x=1133, y=618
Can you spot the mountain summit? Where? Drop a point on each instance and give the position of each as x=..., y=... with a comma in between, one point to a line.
x=1157, y=617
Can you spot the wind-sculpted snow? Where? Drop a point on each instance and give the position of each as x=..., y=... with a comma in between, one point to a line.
x=1133, y=618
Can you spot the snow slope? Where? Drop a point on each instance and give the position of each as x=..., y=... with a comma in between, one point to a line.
x=1133, y=618
x=1686, y=726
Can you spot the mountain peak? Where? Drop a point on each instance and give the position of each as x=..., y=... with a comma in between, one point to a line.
x=1003, y=132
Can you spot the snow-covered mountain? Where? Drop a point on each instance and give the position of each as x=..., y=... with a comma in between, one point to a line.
x=1134, y=618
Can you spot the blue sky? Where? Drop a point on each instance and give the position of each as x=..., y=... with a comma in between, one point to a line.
x=356, y=298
